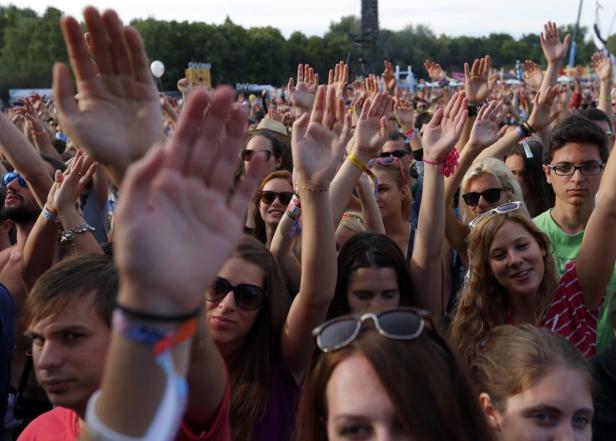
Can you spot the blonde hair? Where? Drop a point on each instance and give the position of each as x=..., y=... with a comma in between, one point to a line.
x=513, y=358
x=484, y=301
x=496, y=168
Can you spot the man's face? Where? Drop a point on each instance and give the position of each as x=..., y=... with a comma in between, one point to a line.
x=578, y=189
x=19, y=203
x=68, y=351
x=398, y=145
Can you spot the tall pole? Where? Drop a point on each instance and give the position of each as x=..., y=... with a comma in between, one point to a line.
x=575, y=32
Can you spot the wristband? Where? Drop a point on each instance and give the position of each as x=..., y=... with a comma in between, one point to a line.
x=523, y=132
x=606, y=98
x=449, y=164
x=48, y=215
x=473, y=109
x=294, y=212
x=357, y=162
x=408, y=136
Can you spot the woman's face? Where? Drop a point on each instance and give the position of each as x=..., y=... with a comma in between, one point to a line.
x=389, y=196
x=516, y=259
x=261, y=143
x=228, y=324
x=516, y=165
x=373, y=288
x=480, y=184
x=358, y=407
x=558, y=406
x=272, y=213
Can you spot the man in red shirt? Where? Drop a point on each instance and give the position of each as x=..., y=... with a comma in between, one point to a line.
x=69, y=317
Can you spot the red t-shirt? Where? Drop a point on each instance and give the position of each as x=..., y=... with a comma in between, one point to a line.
x=569, y=317
x=62, y=424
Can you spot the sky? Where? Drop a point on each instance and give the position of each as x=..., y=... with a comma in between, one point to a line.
x=451, y=17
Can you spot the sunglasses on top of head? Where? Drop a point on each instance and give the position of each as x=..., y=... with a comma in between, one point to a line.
x=389, y=161
x=490, y=195
x=247, y=154
x=247, y=297
x=11, y=176
x=268, y=197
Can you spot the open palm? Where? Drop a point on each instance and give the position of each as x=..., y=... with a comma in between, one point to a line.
x=117, y=116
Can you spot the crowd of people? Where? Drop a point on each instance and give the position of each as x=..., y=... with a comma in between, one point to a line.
x=351, y=260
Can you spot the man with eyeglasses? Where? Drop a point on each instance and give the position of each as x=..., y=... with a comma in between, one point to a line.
x=574, y=159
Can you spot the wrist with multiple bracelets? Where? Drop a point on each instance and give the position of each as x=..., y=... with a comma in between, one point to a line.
x=68, y=236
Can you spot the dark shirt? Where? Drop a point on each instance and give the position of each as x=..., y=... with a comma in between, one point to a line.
x=604, y=421
x=7, y=341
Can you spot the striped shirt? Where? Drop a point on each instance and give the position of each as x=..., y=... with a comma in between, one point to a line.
x=569, y=317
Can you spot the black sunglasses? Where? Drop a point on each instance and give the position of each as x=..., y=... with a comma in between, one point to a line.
x=397, y=153
x=247, y=297
x=246, y=154
x=491, y=196
x=268, y=197
x=396, y=324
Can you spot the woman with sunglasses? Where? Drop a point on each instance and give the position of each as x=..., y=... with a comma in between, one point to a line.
x=512, y=275
x=270, y=202
x=387, y=375
x=533, y=385
x=265, y=343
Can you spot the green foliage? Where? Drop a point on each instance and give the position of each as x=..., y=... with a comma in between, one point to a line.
x=30, y=44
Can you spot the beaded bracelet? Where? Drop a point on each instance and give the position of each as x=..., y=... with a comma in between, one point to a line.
x=449, y=164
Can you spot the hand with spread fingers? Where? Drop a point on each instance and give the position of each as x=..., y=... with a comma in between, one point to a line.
x=371, y=130
x=435, y=71
x=541, y=117
x=404, y=113
x=602, y=65
x=176, y=222
x=67, y=186
x=339, y=78
x=476, y=84
x=318, y=141
x=485, y=130
x=554, y=50
x=116, y=115
x=533, y=74
x=302, y=93
x=445, y=128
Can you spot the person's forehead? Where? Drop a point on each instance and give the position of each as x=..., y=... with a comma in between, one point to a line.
x=277, y=184
x=482, y=182
x=577, y=152
x=392, y=145
x=259, y=143
x=78, y=311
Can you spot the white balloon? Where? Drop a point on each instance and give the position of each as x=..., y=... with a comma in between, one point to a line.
x=157, y=68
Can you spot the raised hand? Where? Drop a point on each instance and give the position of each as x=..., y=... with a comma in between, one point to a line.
x=533, y=74
x=303, y=93
x=68, y=186
x=435, y=71
x=602, y=65
x=389, y=78
x=541, y=117
x=445, y=128
x=371, y=130
x=339, y=78
x=176, y=222
x=117, y=115
x=404, y=113
x=553, y=49
x=476, y=78
x=485, y=129
x=318, y=141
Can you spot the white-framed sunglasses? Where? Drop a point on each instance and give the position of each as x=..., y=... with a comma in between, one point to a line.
x=501, y=209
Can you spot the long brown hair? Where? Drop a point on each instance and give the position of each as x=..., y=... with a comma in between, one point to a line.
x=484, y=301
x=259, y=231
x=512, y=358
x=430, y=391
x=396, y=171
x=252, y=366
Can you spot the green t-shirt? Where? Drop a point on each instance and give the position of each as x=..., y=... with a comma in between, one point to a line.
x=566, y=247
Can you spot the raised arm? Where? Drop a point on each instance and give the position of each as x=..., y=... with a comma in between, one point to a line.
x=282, y=244
x=595, y=262
x=369, y=207
x=603, y=66
x=370, y=135
x=117, y=115
x=26, y=160
x=554, y=51
x=440, y=137
x=316, y=142
x=178, y=190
